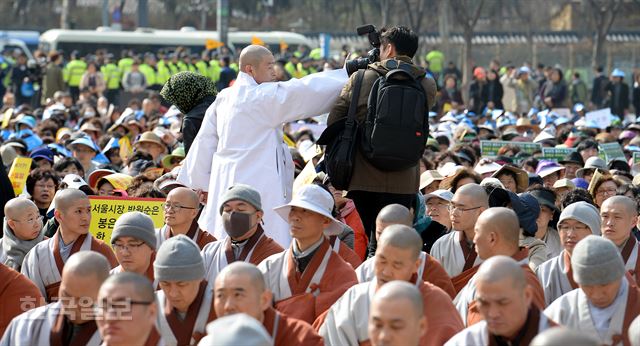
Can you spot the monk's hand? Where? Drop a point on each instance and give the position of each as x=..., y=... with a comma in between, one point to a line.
x=202, y=196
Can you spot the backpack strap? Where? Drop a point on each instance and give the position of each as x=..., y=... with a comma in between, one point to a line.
x=353, y=106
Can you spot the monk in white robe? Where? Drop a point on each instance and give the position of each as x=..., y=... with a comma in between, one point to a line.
x=185, y=299
x=240, y=288
x=181, y=212
x=497, y=233
x=126, y=311
x=455, y=250
x=70, y=321
x=606, y=303
x=308, y=277
x=397, y=258
x=619, y=215
x=505, y=301
x=577, y=221
x=430, y=269
x=240, y=140
x=134, y=241
x=44, y=263
x=396, y=317
x=247, y=241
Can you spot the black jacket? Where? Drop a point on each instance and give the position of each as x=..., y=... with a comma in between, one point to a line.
x=193, y=120
x=617, y=98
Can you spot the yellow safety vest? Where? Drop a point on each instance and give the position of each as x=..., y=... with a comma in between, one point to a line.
x=112, y=75
x=74, y=71
x=149, y=74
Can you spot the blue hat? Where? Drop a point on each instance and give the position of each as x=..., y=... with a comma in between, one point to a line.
x=84, y=141
x=112, y=144
x=42, y=153
x=59, y=149
x=578, y=107
x=617, y=73
x=580, y=183
x=27, y=120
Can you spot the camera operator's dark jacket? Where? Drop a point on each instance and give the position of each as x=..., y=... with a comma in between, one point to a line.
x=365, y=176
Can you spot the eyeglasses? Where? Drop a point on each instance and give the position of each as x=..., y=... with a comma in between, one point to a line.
x=610, y=191
x=576, y=228
x=453, y=208
x=127, y=247
x=46, y=186
x=176, y=207
x=31, y=221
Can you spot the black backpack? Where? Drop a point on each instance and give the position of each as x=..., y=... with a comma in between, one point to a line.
x=395, y=130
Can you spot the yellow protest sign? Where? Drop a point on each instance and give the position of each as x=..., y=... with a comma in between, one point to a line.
x=18, y=173
x=283, y=46
x=6, y=117
x=106, y=210
x=305, y=177
x=257, y=40
x=125, y=148
x=210, y=44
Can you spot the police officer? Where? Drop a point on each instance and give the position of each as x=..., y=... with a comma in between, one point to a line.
x=73, y=74
x=112, y=76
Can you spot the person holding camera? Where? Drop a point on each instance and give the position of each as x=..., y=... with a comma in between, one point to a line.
x=373, y=186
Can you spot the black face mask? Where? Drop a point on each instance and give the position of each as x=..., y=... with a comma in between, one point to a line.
x=237, y=224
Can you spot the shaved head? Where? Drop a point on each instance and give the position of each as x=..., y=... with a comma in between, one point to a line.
x=244, y=268
x=88, y=263
x=402, y=237
x=67, y=197
x=253, y=55
x=185, y=194
x=17, y=206
x=476, y=192
x=401, y=290
x=395, y=214
x=561, y=336
x=499, y=268
x=140, y=284
x=629, y=204
x=503, y=221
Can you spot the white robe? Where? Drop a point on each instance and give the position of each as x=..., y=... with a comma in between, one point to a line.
x=553, y=279
x=366, y=271
x=33, y=328
x=448, y=252
x=215, y=258
x=468, y=294
x=572, y=310
x=40, y=266
x=240, y=141
x=166, y=333
x=347, y=320
x=275, y=268
x=478, y=334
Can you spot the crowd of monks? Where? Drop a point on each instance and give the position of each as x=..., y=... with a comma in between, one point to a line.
x=178, y=285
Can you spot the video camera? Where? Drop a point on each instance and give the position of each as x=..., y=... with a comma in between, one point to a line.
x=372, y=56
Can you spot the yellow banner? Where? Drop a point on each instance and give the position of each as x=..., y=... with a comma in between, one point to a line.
x=106, y=210
x=125, y=148
x=18, y=173
x=6, y=117
x=305, y=177
x=212, y=44
x=257, y=40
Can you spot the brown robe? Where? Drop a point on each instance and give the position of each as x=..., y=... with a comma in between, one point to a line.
x=529, y=331
x=97, y=245
x=473, y=314
x=626, y=253
x=62, y=328
x=469, y=270
x=290, y=331
x=14, y=287
x=443, y=320
x=435, y=274
x=632, y=311
x=337, y=278
x=183, y=330
x=203, y=237
x=347, y=254
x=149, y=274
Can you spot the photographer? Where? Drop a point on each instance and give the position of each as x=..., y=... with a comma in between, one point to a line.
x=371, y=188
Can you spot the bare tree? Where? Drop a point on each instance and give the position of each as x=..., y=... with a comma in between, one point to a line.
x=467, y=13
x=601, y=14
x=415, y=12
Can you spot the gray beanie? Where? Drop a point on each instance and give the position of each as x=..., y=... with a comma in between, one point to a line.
x=583, y=212
x=178, y=259
x=244, y=193
x=596, y=261
x=136, y=225
x=236, y=329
